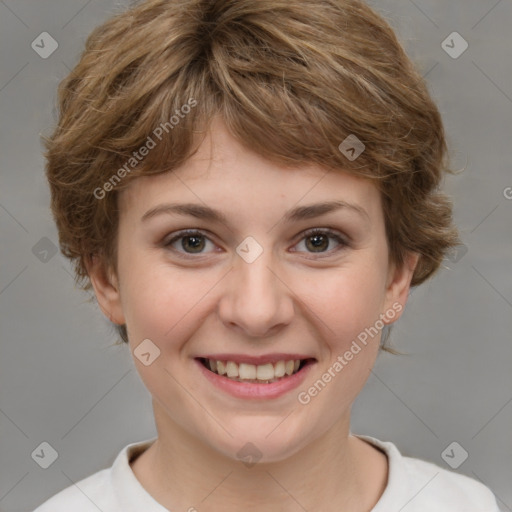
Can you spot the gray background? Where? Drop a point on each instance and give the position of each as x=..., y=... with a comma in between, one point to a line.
x=64, y=381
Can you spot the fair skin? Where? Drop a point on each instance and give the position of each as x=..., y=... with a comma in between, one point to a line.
x=294, y=298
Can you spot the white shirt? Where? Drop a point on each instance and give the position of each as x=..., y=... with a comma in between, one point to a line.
x=413, y=485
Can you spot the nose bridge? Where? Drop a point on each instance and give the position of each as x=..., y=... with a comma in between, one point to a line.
x=256, y=301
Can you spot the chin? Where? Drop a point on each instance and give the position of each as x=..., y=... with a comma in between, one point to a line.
x=257, y=440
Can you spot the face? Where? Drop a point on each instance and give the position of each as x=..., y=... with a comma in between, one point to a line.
x=260, y=282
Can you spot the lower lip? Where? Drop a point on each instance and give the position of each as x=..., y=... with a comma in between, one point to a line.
x=252, y=389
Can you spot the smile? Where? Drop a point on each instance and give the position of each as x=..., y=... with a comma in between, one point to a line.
x=259, y=374
x=244, y=380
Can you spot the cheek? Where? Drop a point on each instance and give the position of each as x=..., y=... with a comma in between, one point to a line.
x=158, y=302
x=345, y=309
x=345, y=301
x=165, y=303
x=164, y=307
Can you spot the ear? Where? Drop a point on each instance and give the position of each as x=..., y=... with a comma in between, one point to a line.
x=398, y=285
x=106, y=288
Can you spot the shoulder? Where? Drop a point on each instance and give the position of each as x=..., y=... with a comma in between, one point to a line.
x=446, y=489
x=114, y=489
x=421, y=486
x=87, y=495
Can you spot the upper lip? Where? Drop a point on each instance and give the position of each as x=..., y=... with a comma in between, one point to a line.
x=256, y=360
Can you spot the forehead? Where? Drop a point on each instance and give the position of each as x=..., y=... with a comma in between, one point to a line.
x=226, y=175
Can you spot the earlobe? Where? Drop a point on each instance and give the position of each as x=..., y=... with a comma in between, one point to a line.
x=106, y=289
x=399, y=282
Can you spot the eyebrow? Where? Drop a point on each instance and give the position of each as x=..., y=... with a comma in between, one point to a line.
x=296, y=214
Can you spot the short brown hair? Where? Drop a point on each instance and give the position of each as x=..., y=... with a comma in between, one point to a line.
x=291, y=79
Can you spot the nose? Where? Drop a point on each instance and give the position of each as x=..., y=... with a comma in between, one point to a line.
x=256, y=300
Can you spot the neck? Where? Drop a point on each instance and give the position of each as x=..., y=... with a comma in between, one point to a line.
x=333, y=472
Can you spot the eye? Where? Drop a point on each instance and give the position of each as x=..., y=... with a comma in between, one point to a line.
x=317, y=240
x=192, y=241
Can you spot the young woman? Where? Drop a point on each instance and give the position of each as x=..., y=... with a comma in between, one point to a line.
x=251, y=188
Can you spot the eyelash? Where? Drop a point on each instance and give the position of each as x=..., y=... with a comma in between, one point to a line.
x=306, y=234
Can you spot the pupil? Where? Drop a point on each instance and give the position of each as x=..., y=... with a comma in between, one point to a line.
x=317, y=241
x=197, y=244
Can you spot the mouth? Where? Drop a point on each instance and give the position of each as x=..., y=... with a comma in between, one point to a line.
x=266, y=373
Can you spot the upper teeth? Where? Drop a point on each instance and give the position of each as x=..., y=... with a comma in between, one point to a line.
x=267, y=371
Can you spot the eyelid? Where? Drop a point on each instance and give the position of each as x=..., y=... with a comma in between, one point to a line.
x=325, y=231
x=176, y=235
